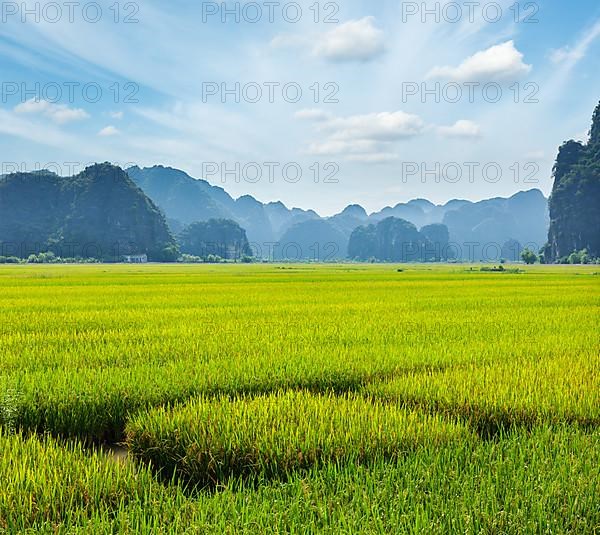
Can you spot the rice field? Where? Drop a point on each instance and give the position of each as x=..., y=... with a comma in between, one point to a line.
x=299, y=398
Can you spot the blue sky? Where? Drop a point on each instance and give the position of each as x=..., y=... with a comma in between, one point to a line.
x=143, y=85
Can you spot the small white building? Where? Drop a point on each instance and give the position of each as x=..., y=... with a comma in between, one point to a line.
x=136, y=259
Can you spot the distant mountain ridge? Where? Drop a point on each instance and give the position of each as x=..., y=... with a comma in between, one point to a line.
x=99, y=213
x=187, y=200
x=489, y=224
x=146, y=207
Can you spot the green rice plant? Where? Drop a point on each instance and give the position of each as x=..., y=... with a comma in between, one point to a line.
x=546, y=481
x=492, y=396
x=206, y=442
x=47, y=486
x=543, y=481
x=88, y=346
x=9, y=410
x=376, y=379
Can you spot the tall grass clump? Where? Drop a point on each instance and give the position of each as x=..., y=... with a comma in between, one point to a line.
x=207, y=442
x=54, y=488
x=500, y=395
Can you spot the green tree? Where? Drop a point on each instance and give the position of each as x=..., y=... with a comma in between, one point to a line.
x=579, y=257
x=529, y=257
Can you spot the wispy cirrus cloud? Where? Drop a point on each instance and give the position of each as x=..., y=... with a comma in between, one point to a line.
x=566, y=59
x=373, y=137
x=366, y=138
x=58, y=113
x=14, y=125
x=573, y=54
x=383, y=126
x=369, y=55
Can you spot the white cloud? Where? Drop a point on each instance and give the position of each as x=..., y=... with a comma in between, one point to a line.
x=355, y=40
x=59, y=113
x=116, y=114
x=379, y=126
x=355, y=150
x=461, y=129
x=109, y=131
x=498, y=63
x=365, y=138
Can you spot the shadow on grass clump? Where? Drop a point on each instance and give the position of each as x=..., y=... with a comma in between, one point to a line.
x=493, y=424
x=207, y=443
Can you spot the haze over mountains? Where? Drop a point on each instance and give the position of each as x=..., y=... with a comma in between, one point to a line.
x=185, y=200
x=491, y=223
x=105, y=212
